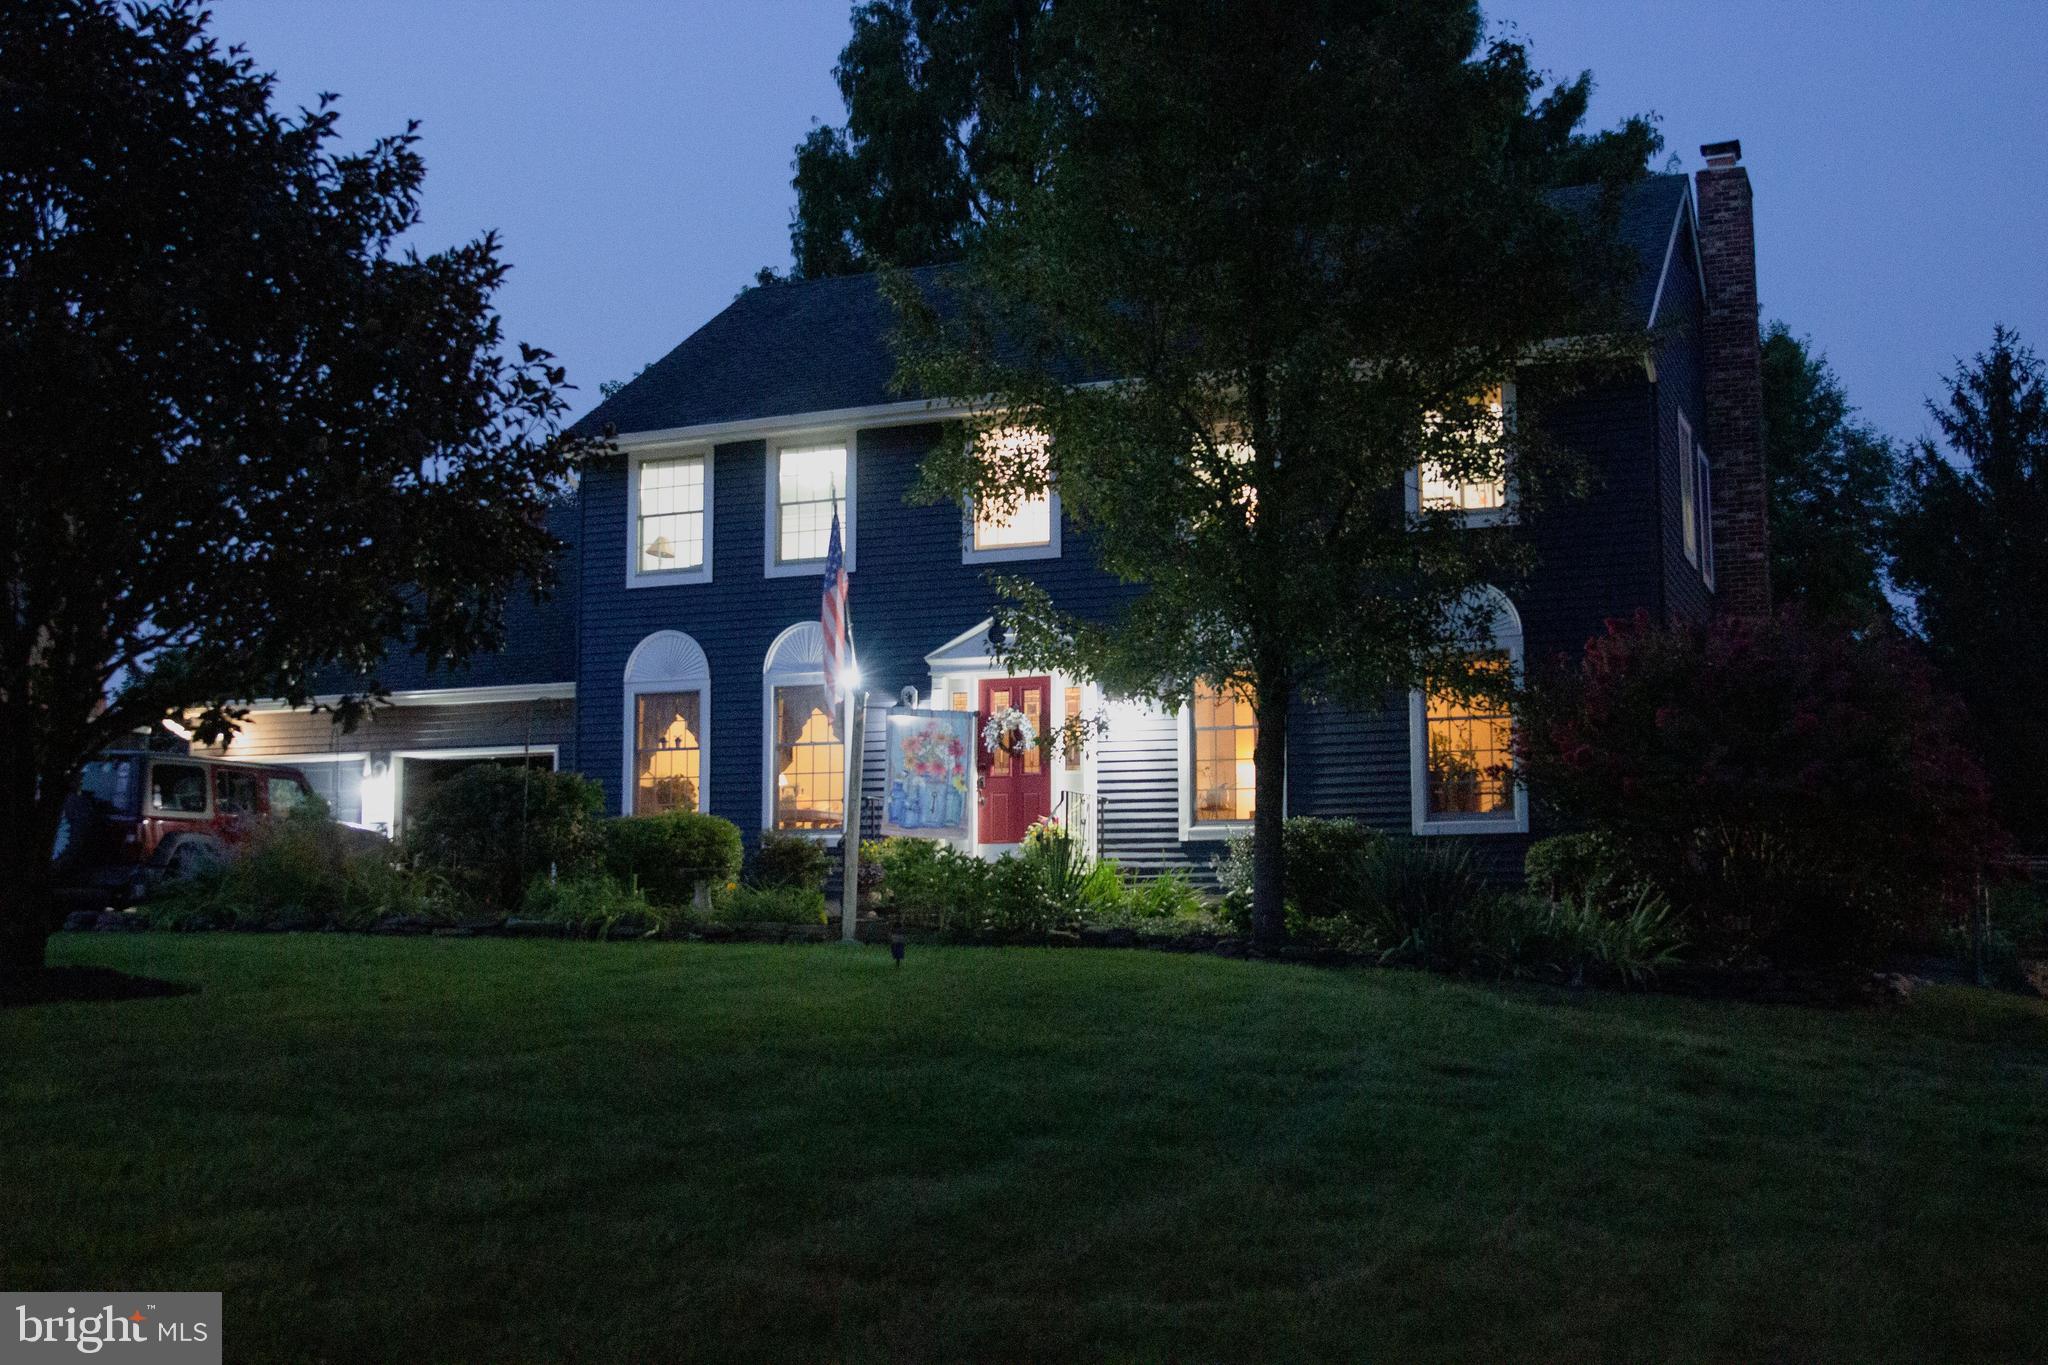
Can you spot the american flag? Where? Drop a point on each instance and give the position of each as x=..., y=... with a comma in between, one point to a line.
x=832, y=615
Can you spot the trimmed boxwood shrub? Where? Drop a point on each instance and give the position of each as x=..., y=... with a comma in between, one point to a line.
x=492, y=828
x=1323, y=867
x=666, y=855
x=790, y=860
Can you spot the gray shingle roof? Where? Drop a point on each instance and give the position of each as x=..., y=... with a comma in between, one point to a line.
x=822, y=345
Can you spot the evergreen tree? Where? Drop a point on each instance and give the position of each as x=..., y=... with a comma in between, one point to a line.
x=1970, y=549
x=1830, y=487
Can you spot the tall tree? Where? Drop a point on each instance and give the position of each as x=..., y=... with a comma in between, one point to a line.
x=1970, y=549
x=1830, y=487
x=931, y=87
x=242, y=432
x=1300, y=263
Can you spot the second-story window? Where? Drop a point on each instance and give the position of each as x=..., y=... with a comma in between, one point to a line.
x=808, y=484
x=1031, y=528
x=671, y=512
x=1480, y=499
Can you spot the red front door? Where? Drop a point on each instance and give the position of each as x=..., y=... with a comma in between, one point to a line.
x=1016, y=788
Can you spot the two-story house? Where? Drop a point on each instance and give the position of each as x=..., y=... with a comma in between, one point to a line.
x=694, y=676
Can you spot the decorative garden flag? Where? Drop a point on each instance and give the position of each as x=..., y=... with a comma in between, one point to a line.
x=832, y=615
x=931, y=754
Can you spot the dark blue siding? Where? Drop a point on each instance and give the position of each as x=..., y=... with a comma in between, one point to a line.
x=909, y=594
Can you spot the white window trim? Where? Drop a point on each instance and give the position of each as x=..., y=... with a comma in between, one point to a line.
x=636, y=577
x=771, y=567
x=1006, y=554
x=1193, y=831
x=1411, y=483
x=1688, y=495
x=805, y=643
x=1507, y=636
x=685, y=670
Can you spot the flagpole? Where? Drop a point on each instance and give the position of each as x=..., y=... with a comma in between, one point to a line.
x=849, y=843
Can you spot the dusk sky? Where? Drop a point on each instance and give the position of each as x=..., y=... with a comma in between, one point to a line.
x=635, y=157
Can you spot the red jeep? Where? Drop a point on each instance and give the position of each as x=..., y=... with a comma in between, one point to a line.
x=138, y=819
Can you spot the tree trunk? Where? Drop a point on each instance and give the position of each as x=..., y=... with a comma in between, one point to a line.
x=28, y=827
x=1269, y=858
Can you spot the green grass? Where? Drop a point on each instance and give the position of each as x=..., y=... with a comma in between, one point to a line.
x=467, y=1149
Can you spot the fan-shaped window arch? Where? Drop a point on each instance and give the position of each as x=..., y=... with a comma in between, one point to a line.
x=803, y=758
x=1460, y=747
x=667, y=714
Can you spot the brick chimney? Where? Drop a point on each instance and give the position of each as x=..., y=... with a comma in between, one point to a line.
x=1734, y=384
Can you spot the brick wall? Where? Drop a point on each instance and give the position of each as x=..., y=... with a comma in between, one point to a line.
x=1733, y=383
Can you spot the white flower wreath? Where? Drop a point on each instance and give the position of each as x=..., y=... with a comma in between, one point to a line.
x=1007, y=721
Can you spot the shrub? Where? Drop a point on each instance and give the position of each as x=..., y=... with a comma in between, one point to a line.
x=301, y=871
x=1626, y=935
x=666, y=855
x=1423, y=901
x=1060, y=866
x=1323, y=858
x=1103, y=893
x=932, y=884
x=598, y=905
x=790, y=860
x=491, y=829
x=742, y=904
x=1018, y=903
x=1170, y=895
x=1791, y=789
x=1566, y=866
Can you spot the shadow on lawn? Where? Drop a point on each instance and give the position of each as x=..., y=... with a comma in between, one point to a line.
x=65, y=985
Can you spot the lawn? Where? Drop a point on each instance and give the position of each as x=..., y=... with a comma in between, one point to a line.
x=472, y=1149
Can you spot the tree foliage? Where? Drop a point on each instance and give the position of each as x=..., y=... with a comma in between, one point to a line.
x=925, y=156
x=941, y=98
x=244, y=433
x=1300, y=264
x=1970, y=549
x=1830, y=485
x=1793, y=787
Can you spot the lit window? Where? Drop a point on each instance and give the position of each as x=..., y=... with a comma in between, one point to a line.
x=1224, y=735
x=1440, y=491
x=671, y=509
x=809, y=759
x=667, y=754
x=810, y=485
x=1033, y=523
x=1688, y=492
x=1470, y=756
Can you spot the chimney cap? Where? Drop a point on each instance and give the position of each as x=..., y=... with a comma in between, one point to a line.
x=1722, y=155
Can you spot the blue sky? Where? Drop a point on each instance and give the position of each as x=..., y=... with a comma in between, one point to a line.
x=634, y=154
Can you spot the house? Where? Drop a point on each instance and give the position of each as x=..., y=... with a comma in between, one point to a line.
x=692, y=675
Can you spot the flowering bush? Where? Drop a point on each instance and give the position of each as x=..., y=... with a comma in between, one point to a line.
x=1793, y=789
